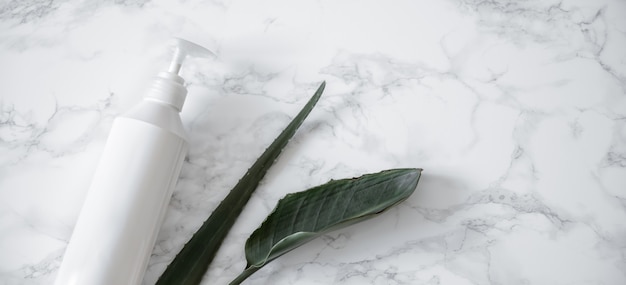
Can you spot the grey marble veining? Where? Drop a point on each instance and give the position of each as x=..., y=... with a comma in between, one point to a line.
x=515, y=109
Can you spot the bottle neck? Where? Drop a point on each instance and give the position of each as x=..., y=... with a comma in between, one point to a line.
x=167, y=88
x=159, y=114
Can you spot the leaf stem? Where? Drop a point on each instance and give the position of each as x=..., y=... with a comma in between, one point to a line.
x=244, y=275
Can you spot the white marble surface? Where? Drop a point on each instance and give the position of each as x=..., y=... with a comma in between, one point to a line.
x=515, y=109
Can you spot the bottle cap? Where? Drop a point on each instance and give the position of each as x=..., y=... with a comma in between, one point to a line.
x=168, y=86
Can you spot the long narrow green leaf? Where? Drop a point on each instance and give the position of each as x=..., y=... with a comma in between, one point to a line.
x=303, y=216
x=193, y=260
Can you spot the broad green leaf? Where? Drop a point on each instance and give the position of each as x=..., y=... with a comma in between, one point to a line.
x=303, y=216
x=193, y=260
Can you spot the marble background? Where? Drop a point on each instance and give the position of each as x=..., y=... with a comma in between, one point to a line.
x=516, y=110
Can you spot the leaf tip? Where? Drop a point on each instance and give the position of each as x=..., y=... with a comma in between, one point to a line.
x=322, y=87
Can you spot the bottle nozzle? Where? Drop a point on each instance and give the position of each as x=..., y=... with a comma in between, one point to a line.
x=168, y=87
x=184, y=48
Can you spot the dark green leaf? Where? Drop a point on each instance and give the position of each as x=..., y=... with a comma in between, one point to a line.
x=193, y=260
x=301, y=217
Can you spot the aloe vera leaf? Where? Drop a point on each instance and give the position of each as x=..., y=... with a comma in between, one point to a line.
x=193, y=260
x=303, y=216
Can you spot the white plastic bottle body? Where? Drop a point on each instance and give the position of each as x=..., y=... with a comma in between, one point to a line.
x=127, y=200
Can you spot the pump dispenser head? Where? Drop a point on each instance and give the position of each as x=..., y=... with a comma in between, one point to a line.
x=168, y=86
x=184, y=48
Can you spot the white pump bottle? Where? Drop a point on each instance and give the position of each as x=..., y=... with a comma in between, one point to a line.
x=133, y=183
